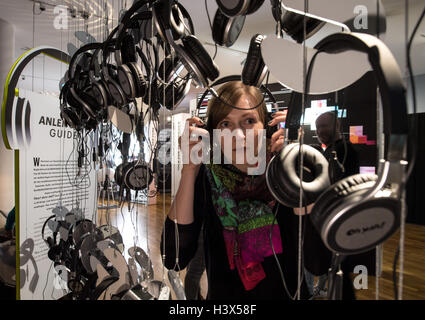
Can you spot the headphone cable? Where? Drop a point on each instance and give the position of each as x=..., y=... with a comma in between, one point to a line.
x=413, y=133
x=209, y=21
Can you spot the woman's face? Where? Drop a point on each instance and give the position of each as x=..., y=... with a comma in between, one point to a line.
x=243, y=125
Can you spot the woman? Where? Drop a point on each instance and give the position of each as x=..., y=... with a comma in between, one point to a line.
x=236, y=209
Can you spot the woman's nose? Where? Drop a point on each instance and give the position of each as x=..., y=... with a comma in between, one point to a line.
x=239, y=133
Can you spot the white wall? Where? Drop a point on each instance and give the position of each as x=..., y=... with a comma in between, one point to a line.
x=7, y=186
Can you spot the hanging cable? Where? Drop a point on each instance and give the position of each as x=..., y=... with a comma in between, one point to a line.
x=211, y=28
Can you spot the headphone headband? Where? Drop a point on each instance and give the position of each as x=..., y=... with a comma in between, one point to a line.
x=390, y=83
x=229, y=79
x=86, y=47
x=125, y=23
x=387, y=73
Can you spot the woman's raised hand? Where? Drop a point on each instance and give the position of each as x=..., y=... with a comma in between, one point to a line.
x=192, y=136
x=278, y=137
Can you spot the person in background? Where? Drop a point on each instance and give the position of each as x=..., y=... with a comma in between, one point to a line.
x=343, y=162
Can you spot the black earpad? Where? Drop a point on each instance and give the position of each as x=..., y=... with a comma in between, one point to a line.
x=128, y=49
x=233, y=8
x=116, y=92
x=90, y=105
x=200, y=56
x=179, y=91
x=254, y=68
x=339, y=191
x=315, y=175
x=100, y=93
x=70, y=117
x=293, y=24
x=87, y=122
x=127, y=81
x=226, y=30
x=72, y=101
x=254, y=5
x=121, y=171
x=219, y=24
x=140, y=81
x=171, y=64
x=169, y=16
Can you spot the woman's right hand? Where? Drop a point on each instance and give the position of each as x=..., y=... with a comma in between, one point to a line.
x=191, y=137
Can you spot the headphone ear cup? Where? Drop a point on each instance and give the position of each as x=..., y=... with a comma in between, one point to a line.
x=254, y=5
x=70, y=117
x=128, y=49
x=171, y=99
x=90, y=105
x=200, y=56
x=176, y=22
x=254, y=69
x=219, y=24
x=363, y=224
x=126, y=81
x=171, y=65
x=100, y=93
x=335, y=194
x=140, y=82
x=286, y=174
x=116, y=92
x=72, y=101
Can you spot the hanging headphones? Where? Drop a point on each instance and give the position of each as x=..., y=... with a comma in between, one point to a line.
x=174, y=92
x=226, y=30
x=254, y=69
x=170, y=15
x=79, y=108
x=130, y=74
x=174, y=87
x=359, y=212
x=137, y=176
x=292, y=22
x=173, y=67
x=232, y=8
x=110, y=74
x=283, y=175
x=98, y=85
x=191, y=52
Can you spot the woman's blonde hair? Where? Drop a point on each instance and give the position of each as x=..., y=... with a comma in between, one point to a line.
x=231, y=92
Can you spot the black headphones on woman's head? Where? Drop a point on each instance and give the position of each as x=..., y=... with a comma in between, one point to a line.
x=359, y=212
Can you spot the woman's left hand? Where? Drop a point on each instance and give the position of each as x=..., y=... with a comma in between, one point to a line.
x=278, y=137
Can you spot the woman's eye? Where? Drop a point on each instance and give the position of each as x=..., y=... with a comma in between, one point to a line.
x=224, y=124
x=250, y=121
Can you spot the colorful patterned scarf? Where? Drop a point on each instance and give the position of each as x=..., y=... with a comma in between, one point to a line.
x=244, y=205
